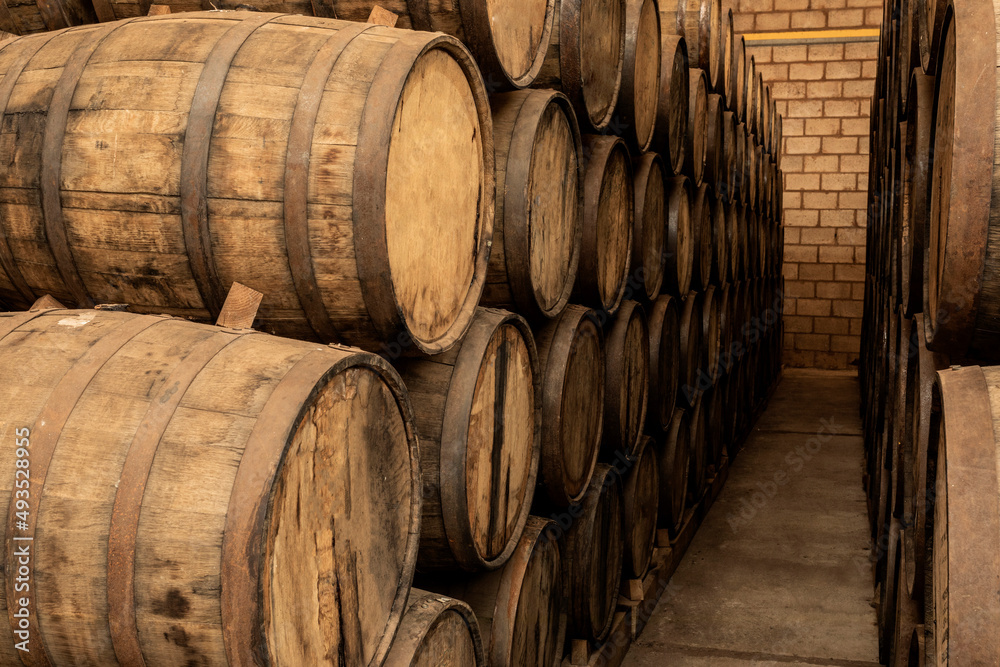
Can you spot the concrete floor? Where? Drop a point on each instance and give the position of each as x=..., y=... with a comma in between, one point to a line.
x=778, y=575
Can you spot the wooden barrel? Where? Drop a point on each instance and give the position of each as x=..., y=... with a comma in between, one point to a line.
x=586, y=57
x=732, y=425
x=626, y=380
x=520, y=606
x=714, y=141
x=640, y=94
x=327, y=223
x=593, y=554
x=766, y=115
x=700, y=23
x=571, y=354
x=909, y=614
x=739, y=162
x=917, y=657
x=732, y=156
x=698, y=457
x=537, y=231
x=720, y=241
x=477, y=415
x=691, y=354
x=966, y=523
x=24, y=18
x=664, y=362
x=649, y=231
x=509, y=39
x=727, y=84
x=710, y=331
x=680, y=242
x=917, y=134
x=670, y=128
x=918, y=482
x=779, y=133
x=243, y=456
x=930, y=17
x=701, y=225
x=750, y=170
x=608, y=210
x=962, y=275
x=641, y=501
x=437, y=631
x=695, y=141
x=758, y=127
x=734, y=241
x=715, y=416
x=739, y=106
x=673, y=451
x=725, y=294
x=751, y=113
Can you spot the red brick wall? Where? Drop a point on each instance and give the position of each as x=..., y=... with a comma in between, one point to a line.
x=823, y=91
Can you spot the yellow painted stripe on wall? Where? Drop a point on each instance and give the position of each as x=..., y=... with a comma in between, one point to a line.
x=812, y=34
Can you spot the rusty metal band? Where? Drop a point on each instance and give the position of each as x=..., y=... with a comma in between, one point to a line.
x=45, y=434
x=10, y=78
x=420, y=15
x=132, y=487
x=297, y=161
x=242, y=540
x=51, y=170
x=194, y=159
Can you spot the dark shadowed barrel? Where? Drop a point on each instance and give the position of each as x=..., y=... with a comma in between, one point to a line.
x=673, y=452
x=626, y=380
x=664, y=362
x=641, y=501
x=437, y=631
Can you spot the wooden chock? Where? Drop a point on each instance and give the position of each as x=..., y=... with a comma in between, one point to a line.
x=240, y=309
x=46, y=302
x=158, y=10
x=382, y=16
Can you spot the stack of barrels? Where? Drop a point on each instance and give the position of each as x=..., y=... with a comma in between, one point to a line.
x=931, y=334
x=527, y=270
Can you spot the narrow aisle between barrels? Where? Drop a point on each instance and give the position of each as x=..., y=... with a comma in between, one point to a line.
x=779, y=573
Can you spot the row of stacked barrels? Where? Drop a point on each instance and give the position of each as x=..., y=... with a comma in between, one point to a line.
x=931, y=333
x=509, y=333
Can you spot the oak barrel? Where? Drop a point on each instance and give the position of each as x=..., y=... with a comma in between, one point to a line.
x=593, y=553
x=640, y=93
x=691, y=353
x=664, y=362
x=608, y=211
x=710, y=331
x=673, y=453
x=752, y=101
x=211, y=495
x=714, y=141
x=538, y=226
x=641, y=501
x=701, y=225
x=571, y=354
x=698, y=463
x=680, y=241
x=696, y=138
x=520, y=606
x=720, y=241
x=586, y=58
x=918, y=136
x=649, y=229
x=437, y=631
x=240, y=165
x=24, y=18
x=699, y=22
x=670, y=128
x=626, y=381
x=509, y=39
x=477, y=411
x=739, y=105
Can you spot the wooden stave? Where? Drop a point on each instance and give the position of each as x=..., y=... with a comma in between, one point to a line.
x=691, y=354
x=702, y=224
x=294, y=372
x=626, y=369
x=509, y=281
x=602, y=150
x=720, y=242
x=583, y=557
x=710, y=332
x=442, y=388
x=714, y=142
x=374, y=320
x=641, y=501
x=672, y=453
x=556, y=342
x=424, y=615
